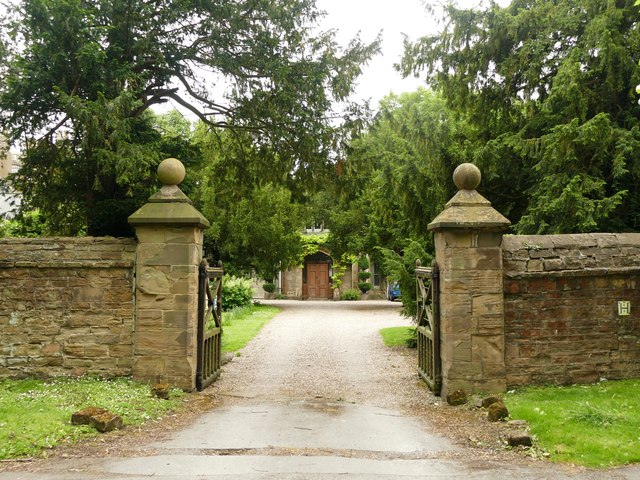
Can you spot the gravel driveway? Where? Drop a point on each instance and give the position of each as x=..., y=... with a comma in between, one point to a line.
x=328, y=350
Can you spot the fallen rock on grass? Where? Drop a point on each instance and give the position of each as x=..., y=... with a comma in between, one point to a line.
x=99, y=418
x=488, y=401
x=519, y=438
x=518, y=434
x=161, y=390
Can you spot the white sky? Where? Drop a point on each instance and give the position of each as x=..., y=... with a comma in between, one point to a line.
x=394, y=18
x=369, y=17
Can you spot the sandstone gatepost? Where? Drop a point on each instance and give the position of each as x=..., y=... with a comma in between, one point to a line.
x=467, y=237
x=531, y=309
x=170, y=236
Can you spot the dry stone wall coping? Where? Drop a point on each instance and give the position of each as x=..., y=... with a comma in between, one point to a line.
x=586, y=254
x=67, y=252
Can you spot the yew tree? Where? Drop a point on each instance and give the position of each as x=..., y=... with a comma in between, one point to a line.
x=550, y=87
x=396, y=179
x=78, y=78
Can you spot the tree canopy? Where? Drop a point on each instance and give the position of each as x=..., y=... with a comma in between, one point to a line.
x=550, y=88
x=397, y=176
x=396, y=179
x=77, y=80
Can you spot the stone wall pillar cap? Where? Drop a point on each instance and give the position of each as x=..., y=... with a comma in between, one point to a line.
x=468, y=209
x=169, y=205
x=171, y=173
x=467, y=176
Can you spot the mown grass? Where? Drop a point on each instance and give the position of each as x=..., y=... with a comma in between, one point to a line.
x=35, y=415
x=241, y=324
x=398, y=336
x=591, y=425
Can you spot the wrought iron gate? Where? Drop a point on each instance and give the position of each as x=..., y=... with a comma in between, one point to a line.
x=428, y=325
x=209, y=325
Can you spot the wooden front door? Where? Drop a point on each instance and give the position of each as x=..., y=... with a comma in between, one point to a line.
x=318, y=280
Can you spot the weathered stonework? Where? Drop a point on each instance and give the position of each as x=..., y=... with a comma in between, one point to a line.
x=74, y=306
x=467, y=237
x=532, y=309
x=170, y=236
x=67, y=306
x=561, y=308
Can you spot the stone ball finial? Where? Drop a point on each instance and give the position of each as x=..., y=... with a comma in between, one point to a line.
x=467, y=176
x=171, y=171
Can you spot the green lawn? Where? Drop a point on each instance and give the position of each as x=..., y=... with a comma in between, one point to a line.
x=397, y=336
x=240, y=325
x=35, y=414
x=592, y=425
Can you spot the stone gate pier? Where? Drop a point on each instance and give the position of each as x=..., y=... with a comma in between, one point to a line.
x=107, y=306
x=531, y=309
x=467, y=235
x=170, y=237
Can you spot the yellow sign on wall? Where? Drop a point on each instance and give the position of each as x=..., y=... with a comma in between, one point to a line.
x=624, y=308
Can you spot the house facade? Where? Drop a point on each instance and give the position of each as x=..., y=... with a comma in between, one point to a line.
x=313, y=280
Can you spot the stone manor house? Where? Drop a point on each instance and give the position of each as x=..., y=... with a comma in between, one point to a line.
x=312, y=279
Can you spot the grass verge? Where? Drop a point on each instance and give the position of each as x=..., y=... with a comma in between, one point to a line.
x=398, y=336
x=241, y=324
x=591, y=425
x=36, y=415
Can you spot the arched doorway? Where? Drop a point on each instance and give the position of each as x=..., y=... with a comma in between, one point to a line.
x=316, y=277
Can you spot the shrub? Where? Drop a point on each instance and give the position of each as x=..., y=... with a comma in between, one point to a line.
x=364, y=286
x=412, y=341
x=364, y=276
x=269, y=287
x=363, y=263
x=236, y=292
x=350, y=294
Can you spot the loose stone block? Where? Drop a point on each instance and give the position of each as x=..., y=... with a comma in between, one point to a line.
x=99, y=418
x=161, y=390
x=84, y=416
x=519, y=439
x=488, y=401
x=458, y=397
x=497, y=411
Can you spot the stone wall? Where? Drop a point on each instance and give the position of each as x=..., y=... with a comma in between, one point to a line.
x=67, y=306
x=561, y=300
x=292, y=283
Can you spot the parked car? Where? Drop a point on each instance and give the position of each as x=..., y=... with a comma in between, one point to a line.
x=393, y=291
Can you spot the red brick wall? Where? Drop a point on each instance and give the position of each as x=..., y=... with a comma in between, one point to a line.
x=66, y=306
x=561, y=308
